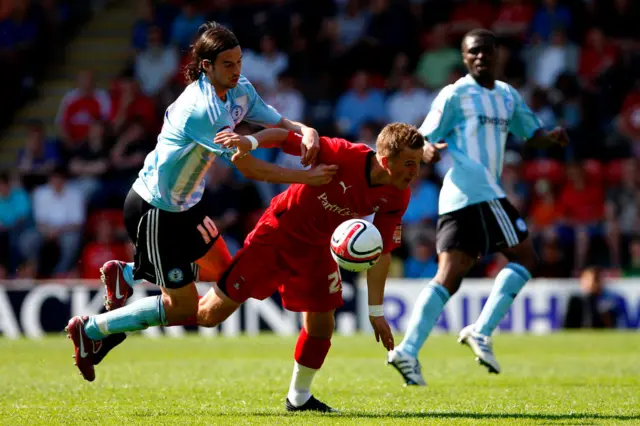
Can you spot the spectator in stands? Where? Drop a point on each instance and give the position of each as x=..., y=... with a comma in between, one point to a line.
x=79, y=108
x=140, y=31
x=597, y=55
x=594, y=307
x=549, y=17
x=89, y=165
x=15, y=218
x=264, y=67
x=104, y=248
x=423, y=205
x=360, y=104
x=539, y=104
x=156, y=65
x=59, y=211
x=351, y=24
x=545, y=211
x=438, y=61
x=368, y=134
x=628, y=121
x=554, y=261
x=128, y=154
x=39, y=156
x=410, y=104
x=582, y=204
x=622, y=209
x=286, y=98
x=422, y=262
x=513, y=19
x=547, y=61
x=130, y=103
x=632, y=270
x=186, y=25
x=470, y=14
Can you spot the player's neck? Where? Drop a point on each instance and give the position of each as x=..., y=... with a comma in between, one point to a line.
x=379, y=175
x=486, y=82
x=221, y=92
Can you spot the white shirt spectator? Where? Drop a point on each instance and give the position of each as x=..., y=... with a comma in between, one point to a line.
x=58, y=209
x=264, y=69
x=409, y=106
x=288, y=102
x=154, y=69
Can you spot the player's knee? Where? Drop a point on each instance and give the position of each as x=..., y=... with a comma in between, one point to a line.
x=319, y=324
x=213, y=310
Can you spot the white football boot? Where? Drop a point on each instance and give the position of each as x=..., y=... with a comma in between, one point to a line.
x=408, y=367
x=482, y=347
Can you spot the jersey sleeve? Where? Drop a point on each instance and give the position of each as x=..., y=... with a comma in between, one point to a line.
x=440, y=119
x=389, y=222
x=258, y=111
x=202, y=127
x=332, y=150
x=524, y=122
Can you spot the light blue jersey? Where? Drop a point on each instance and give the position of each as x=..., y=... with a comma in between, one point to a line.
x=173, y=176
x=475, y=122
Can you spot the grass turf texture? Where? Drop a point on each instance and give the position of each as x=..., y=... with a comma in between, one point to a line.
x=567, y=378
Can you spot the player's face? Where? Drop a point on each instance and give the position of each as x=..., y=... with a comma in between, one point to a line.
x=405, y=167
x=228, y=67
x=478, y=54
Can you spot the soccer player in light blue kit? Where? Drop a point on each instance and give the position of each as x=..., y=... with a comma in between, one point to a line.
x=165, y=213
x=472, y=118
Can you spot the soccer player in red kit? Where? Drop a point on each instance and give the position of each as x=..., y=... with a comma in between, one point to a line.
x=288, y=250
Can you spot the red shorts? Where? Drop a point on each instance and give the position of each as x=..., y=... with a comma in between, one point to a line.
x=308, y=279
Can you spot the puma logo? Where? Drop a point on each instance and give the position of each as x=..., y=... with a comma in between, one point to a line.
x=344, y=187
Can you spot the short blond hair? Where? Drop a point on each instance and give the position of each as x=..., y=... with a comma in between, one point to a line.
x=395, y=137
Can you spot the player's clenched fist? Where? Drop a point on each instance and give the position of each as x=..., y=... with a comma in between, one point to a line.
x=383, y=332
x=310, y=146
x=321, y=175
x=431, y=152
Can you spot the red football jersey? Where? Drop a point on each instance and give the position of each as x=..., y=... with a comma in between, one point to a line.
x=309, y=214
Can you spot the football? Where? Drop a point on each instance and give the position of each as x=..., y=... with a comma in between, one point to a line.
x=356, y=245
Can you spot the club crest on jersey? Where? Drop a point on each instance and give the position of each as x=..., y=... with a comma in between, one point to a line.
x=237, y=112
x=175, y=275
x=521, y=225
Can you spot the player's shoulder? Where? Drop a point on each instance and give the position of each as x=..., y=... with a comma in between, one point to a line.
x=507, y=89
x=339, y=144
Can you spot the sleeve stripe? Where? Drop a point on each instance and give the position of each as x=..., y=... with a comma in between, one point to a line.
x=206, y=88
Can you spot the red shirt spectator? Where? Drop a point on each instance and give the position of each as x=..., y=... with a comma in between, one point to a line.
x=513, y=19
x=469, y=15
x=598, y=54
x=129, y=103
x=630, y=114
x=103, y=249
x=80, y=107
x=581, y=204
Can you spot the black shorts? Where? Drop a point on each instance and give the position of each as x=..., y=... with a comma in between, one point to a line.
x=167, y=243
x=480, y=229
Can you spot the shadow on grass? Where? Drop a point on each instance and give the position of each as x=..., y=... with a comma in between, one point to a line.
x=399, y=415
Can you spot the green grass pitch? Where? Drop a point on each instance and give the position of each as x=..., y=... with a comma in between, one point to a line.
x=566, y=378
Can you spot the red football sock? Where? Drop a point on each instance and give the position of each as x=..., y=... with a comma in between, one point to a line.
x=311, y=351
x=192, y=320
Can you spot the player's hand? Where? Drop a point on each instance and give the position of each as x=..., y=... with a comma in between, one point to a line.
x=310, y=146
x=231, y=140
x=559, y=136
x=431, y=152
x=321, y=175
x=382, y=331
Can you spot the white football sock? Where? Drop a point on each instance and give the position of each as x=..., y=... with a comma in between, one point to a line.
x=300, y=388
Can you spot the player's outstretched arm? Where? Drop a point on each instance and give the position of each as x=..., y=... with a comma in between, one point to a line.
x=376, y=279
x=544, y=139
x=254, y=168
x=268, y=138
x=310, y=139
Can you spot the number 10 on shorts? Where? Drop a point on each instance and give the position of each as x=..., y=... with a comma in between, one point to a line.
x=208, y=230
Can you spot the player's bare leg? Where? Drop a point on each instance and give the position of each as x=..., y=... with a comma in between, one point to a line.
x=452, y=267
x=312, y=347
x=509, y=282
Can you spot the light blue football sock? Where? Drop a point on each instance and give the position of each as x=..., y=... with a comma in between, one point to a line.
x=508, y=284
x=127, y=272
x=135, y=316
x=425, y=314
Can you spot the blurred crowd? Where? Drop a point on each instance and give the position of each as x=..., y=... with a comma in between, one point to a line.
x=347, y=67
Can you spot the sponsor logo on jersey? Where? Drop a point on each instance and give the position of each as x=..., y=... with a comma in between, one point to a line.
x=334, y=208
x=503, y=123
